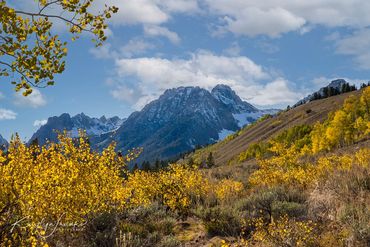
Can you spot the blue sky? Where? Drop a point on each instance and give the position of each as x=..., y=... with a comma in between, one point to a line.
x=271, y=53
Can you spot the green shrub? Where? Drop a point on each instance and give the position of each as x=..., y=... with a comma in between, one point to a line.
x=256, y=150
x=274, y=202
x=292, y=209
x=169, y=241
x=222, y=221
x=101, y=230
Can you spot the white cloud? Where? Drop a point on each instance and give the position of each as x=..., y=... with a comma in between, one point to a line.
x=6, y=114
x=251, y=18
x=103, y=52
x=205, y=69
x=35, y=100
x=135, y=12
x=332, y=37
x=153, y=12
x=39, y=123
x=272, y=22
x=233, y=50
x=162, y=31
x=275, y=17
x=135, y=47
x=267, y=47
x=356, y=45
x=278, y=91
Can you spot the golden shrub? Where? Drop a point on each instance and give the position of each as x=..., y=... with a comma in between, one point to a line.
x=227, y=188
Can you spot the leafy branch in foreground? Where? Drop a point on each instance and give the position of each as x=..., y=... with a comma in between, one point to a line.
x=30, y=54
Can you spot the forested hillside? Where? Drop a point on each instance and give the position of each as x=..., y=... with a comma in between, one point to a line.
x=270, y=126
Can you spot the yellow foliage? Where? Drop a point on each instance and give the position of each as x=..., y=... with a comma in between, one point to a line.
x=345, y=126
x=282, y=232
x=30, y=53
x=288, y=169
x=228, y=188
x=60, y=183
x=177, y=187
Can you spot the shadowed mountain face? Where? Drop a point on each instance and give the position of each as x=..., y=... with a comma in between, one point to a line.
x=182, y=119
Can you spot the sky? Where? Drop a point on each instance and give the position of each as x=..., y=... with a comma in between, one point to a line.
x=271, y=52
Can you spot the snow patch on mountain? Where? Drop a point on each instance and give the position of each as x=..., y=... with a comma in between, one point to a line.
x=224, y=133
x=246, y=118
x=94, y=126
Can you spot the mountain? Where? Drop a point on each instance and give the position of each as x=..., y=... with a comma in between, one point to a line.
x=228, y=151
x=181, y=119
x=93, y=126
x=335, y=87
x=3, y=143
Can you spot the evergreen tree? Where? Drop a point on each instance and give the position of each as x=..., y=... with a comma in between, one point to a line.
x=35, y=143
x=157, y=165
x=325, y=92
x=146, y=166
x=210, y=160
x=190, y=161
x=345, y=88
x=134, y=167
x=316, y=96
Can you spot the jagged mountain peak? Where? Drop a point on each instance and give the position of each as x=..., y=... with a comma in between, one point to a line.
x=338, y=83
x=92, y=126
x=182, y=118
x=227, y=96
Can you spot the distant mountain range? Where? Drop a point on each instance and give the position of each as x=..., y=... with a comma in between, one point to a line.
x=92, y=126
x=180, y=120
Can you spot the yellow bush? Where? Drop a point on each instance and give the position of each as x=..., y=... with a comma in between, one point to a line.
x=176, y=187
x=289, y=169
x=180, y=186
x=228, y=188
x=283, y=232
x=58, y=184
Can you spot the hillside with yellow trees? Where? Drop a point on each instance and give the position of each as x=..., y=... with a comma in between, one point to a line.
x=305, y=184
